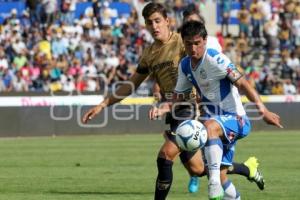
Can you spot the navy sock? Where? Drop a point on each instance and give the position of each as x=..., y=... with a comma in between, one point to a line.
x=239, y=168
x=164, y=178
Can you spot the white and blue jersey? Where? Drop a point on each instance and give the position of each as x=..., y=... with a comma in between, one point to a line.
x=213, y=77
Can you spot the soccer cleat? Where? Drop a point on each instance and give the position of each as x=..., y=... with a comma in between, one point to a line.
x=255, y=174
x=215, y=191
x=259, y=180
x=216, y=198
x=194, y=184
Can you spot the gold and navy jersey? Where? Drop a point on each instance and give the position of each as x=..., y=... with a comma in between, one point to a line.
x=161, y=62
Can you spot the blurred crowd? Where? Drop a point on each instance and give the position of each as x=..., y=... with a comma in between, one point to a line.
x=267, y=46
x=46, y=48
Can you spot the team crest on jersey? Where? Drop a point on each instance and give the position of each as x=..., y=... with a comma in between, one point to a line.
x=203, y=74
x=189, y=77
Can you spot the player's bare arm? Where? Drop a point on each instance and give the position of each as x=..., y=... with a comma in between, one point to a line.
x=268, y=116
x=121, y=93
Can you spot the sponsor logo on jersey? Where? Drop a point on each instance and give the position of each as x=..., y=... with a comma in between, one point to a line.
x=203, y=74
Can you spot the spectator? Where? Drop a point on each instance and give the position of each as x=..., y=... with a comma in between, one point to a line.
x=89, y=69
x=44, y=46
x=19, y=84
x=107, y=14
x=242, y=48
x=256, y=19
x=49, y=8
x=296, y=29
x=19, y=61
x=271, y=30
x=3, y=60
x=80, y=83
x=284, y=35
x=7, y=78
x=277, y=88
x=244, y=20
x=225, y=13
x=69, y=84
x=34, y=14
x=293, y=62
x=92, y=84
x=265, y=10
x=286, y=71
x=25, y=20
x=289, y=88
x=68, y=11
x=58, y=46
x=19, y=46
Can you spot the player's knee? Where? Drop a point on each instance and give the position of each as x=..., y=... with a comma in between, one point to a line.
x=193, y=163
x=213, y=129
x=164, y=163
x=197, y=170
x=168, y=153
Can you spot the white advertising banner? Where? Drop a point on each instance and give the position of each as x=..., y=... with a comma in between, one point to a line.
x=37, y=101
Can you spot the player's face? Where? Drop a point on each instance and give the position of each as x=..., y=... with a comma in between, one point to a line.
x=194, y=46
x=158, y=26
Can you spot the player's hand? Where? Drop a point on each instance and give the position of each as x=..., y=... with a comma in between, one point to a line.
x=272, y=118
x=92, y=113
x=157, y=112
x=153, y=113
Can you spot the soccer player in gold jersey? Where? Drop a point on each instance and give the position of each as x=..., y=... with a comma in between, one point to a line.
x=160, y=60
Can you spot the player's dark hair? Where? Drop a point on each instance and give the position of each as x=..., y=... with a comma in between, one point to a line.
x=151, y=8
x=192, y=28
x=192, y=10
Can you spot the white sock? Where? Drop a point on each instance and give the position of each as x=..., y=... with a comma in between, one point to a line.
x=213, y=154
x=230, y=192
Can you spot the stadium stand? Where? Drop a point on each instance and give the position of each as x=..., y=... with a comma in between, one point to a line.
x=47, y=48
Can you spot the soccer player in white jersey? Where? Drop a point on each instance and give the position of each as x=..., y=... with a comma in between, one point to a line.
x=218, y=82
x=249, y=168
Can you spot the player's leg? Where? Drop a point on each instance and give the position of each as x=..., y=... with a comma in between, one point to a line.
x=250, y=166
x=230, y=191
x=166, y=155
x=229, y=128
x=194, y=164
x=250, y=170
x=213, y=154
x=192, y=161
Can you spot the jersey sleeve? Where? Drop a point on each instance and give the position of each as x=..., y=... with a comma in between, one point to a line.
x=226, y=67
x=183, y=85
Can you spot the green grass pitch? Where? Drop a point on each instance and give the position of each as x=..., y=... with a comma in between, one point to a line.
x=123, y=167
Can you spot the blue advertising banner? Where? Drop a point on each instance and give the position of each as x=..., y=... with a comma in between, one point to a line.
x=235, y=7
x=6, y=8
x=120, y=8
